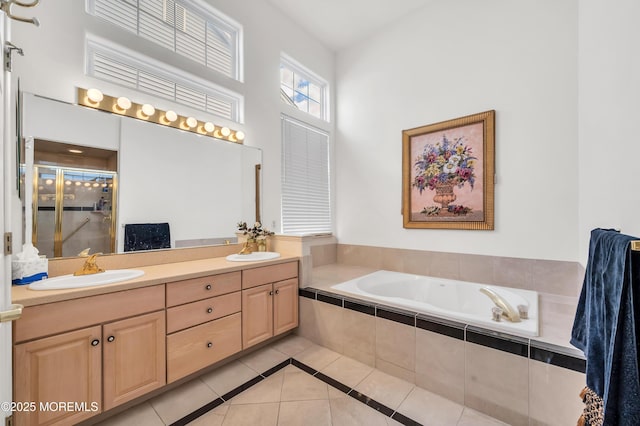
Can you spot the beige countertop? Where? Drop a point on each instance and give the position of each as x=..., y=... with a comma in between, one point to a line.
x=153, y=275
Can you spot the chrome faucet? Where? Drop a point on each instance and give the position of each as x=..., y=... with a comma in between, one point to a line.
x=507, y=310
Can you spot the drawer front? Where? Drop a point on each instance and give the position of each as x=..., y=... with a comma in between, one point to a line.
x=180, y=292
x=194, y=313
x=269, y=274
x=198, y=347
x=52, y=318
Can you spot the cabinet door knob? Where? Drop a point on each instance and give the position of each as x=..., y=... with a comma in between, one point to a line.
x=207, y=287
x=209, y=344
x=271, y=293
x=111, y=339
x=95, y=342
x=277, y=291
x=209, y=310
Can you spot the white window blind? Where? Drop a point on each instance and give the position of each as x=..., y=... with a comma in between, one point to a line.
x=306, y=205
x=188, y=27
x=118, y=65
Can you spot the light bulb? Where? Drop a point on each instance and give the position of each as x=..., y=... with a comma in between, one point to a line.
x=192, y=122
x=148, y=110
x=48, y=181
x=78, y=183
x=209, y=127
x=87, y=184
x=95, y=95
x=225, y=131
x=95, y=185
x=123, y=103
x=240, y=135
x=68, y=182
x=170, y=116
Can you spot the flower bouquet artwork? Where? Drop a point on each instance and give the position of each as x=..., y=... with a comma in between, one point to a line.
x=448, y=174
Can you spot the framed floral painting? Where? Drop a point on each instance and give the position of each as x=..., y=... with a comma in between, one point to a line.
x=448, y=173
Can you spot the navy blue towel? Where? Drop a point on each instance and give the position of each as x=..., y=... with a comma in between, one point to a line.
x=146, y=236
x=605, y=327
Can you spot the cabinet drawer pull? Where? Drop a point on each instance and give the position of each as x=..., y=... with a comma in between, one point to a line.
x=209, y=344
x=95, y=342
x=209, y=310
x=111, y=339
x=207, y=287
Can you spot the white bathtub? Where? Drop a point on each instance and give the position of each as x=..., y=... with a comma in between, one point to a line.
x=460, y=301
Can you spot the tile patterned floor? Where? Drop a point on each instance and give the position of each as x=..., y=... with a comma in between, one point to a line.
x=292, y=396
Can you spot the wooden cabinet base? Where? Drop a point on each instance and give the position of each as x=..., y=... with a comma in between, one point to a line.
x=195, y=348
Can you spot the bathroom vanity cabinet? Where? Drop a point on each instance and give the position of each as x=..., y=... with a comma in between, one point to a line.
x=98, y=351
x=203, y=322
x=269, y=302
x=103, y=350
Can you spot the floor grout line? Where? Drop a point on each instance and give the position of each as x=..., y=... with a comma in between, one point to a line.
x=369, y=402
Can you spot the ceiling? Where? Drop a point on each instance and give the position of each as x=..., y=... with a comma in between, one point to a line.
x=340, y=23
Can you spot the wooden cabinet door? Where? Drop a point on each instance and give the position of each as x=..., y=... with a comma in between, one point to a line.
x=257, y=315
x=134, y=357
x=285, y=306
x=65, y=367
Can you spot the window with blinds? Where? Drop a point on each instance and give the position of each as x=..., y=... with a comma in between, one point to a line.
x=118, y=65
x=306, y=201
x=188, y=27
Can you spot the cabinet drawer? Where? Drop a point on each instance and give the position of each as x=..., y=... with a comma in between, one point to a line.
x=53, y=318
x=269, y=274
x=180, y=292
x=195, y=348
x=194, y=313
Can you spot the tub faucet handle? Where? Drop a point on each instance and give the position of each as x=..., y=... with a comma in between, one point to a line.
x=507, y=310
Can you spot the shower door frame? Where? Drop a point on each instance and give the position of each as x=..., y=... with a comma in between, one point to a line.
x=59, y=205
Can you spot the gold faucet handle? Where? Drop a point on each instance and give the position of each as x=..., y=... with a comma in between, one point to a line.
x=90, y=266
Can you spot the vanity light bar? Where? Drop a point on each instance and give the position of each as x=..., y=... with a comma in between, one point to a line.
x=94, y=98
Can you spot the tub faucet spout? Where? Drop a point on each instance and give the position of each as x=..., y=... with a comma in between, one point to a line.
x=507, y=310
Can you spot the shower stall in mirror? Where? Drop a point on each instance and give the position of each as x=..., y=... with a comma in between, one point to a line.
x=72, y=198
x=73, y=210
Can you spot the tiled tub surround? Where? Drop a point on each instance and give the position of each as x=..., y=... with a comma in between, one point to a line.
x=516, y=380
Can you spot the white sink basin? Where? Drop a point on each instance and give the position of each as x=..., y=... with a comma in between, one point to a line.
x=71, y=281
x=251, y=257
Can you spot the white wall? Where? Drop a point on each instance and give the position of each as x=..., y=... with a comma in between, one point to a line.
x=448, y=60
x=609, y=109
x=53, y=66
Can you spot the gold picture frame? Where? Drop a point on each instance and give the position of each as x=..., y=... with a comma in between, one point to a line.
x=448, y=174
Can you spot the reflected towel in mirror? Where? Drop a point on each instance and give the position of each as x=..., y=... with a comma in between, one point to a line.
x=146, y=236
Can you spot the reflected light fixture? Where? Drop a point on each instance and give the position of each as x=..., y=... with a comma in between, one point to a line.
x=170, y=116
x=48, y=181
x=123, y=103
x=191, y=122
x=68, y=182
x=94, y=96
x=240, y=135
x=78, y=183
x=148, y=110
x=209, y=127
x=75, y=151
x=87, y=184
x=225, y=131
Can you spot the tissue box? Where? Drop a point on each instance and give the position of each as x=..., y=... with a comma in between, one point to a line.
x=28, y=271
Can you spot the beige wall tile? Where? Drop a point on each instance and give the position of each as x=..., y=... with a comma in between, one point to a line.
x=557, y=277
x=393, y=259
x=396, y=344
x=476, y=268
x=512, y=272
x=497, y=384
x=330, y=326
x=553, y=394
x=307, y=321
x=444, y=265
x=324, y=254
x=359, y=336
x=360, y=255
x=440, y=365
x=394, y=370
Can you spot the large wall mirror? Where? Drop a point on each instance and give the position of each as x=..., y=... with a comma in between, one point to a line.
x=136, y=185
